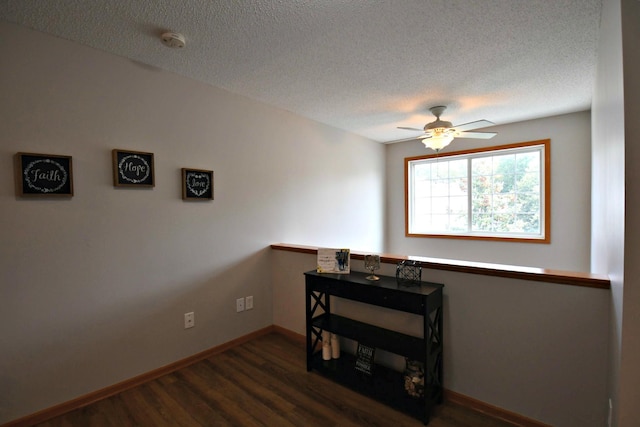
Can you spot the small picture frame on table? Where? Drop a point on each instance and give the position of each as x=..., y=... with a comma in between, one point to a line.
x=197, y=184
x=365, y=356
x=331, y=260
x=133, y=169
x=43, y=175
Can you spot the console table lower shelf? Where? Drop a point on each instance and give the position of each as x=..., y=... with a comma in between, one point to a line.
x=386, y=386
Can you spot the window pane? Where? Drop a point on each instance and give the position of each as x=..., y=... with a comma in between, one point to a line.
x=459, y=223
x=458, y=168
x=482, y=166
x=505, y=183
x=458, y=187
x=440, y=223
x=504, y=164
x=528, y=223
x=481, y=203
x=504, y=202
x=528, y=181
x=439, y=187
x=482, y=185
x=528, y=162
x=441, y=170
x=422, y=171
x=481, y=222
x=458, y=205
x=422, y=188
x=440, y=205
x=422, y=205
x=528, y=203
x=502, y=222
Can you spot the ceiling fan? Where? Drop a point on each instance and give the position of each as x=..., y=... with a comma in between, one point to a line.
x=439, y=133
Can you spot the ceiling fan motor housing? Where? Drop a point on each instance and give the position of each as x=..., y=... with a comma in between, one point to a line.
x=437, y=111
x=438, y=124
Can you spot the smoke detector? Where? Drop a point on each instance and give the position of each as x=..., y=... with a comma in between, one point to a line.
x=173, y=40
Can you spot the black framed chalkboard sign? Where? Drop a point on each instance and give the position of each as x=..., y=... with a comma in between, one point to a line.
x=364, y=359
x=133, y=169
x=43, y=175
x=197, y=184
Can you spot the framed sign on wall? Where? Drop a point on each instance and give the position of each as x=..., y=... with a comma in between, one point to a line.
x=133, y=169
x=40, y=175
x=197, y=184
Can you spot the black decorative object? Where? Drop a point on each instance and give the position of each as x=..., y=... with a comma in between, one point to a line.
x=409, y=272
x=197, y=184
x=414, y=378
x=133, y=169
x=43, y=175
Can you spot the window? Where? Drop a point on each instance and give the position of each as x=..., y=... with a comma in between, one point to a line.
x=496, y=193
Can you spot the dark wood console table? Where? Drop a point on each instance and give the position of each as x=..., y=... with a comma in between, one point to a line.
x=385, y=385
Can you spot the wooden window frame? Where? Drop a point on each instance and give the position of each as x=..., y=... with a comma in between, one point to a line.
x=546, y=239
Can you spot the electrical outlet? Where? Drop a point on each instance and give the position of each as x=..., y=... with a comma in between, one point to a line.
x=249, y=302
x=189, y=320
x=239, y=305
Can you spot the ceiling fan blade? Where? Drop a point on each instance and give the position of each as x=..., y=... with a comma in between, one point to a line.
x=473, y=125
x=405, y=128
x=476, y=135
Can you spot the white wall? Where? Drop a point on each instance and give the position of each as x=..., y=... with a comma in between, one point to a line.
x=616, y=203
x=570, y=136
x=94, y=288
x=608, y=184
x=536, y=349
x=629, y=410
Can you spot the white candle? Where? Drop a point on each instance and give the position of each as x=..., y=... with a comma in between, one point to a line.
x=326, y=352
x=335, y=346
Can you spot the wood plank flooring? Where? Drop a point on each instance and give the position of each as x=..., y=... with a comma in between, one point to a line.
x=263, y=382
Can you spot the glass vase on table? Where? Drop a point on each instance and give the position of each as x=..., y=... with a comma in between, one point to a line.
x=372, y=263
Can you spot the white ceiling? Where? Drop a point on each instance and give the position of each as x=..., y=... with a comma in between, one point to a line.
x=366, y=66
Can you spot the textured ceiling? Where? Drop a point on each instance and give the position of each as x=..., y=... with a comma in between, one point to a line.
x=366, y=66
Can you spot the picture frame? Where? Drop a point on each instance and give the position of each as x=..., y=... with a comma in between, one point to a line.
x=43, y=175
x=364, y=362
x=133, y=169
x=197, y=184
x=333, y=260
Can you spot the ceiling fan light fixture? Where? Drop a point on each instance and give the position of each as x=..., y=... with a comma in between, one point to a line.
x=440, y=138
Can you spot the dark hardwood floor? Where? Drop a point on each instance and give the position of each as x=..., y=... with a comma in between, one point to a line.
x=263, y=382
